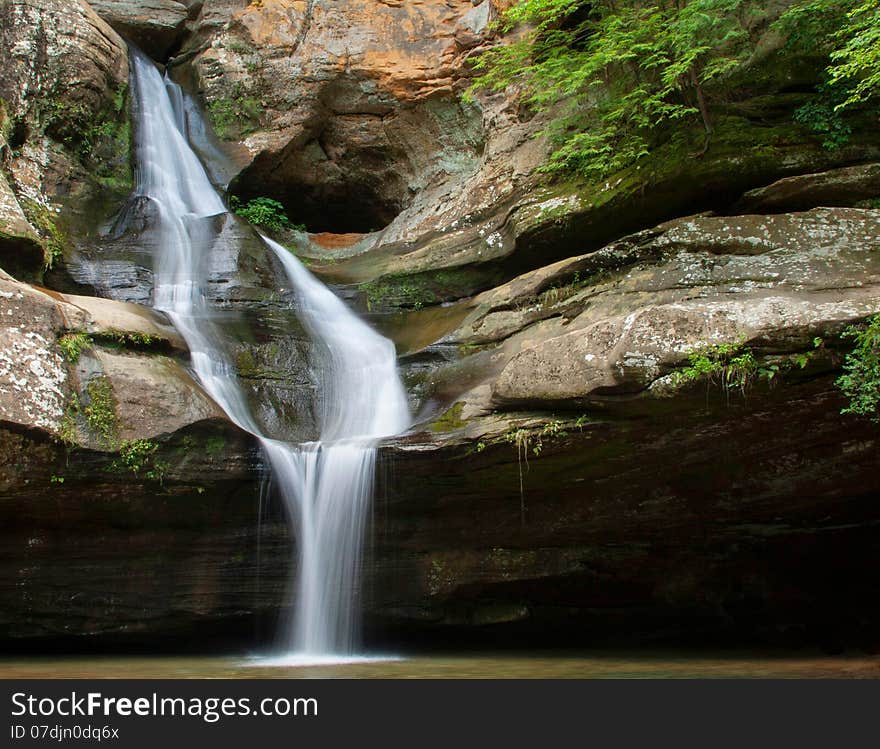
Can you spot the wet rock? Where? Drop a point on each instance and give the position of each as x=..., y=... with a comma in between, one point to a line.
x=608, y=510
x=712, y=521
x=116, y=471
x=129, y=557
x=567, y=484
x=253, y=309
x=279, y=382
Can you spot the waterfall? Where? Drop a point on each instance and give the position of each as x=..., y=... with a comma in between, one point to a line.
x=327, y=484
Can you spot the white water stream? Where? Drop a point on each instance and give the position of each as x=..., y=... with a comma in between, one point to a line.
x=327, y=485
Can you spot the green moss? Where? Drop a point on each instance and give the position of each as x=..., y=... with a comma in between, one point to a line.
x=450, y=420
x=215, y=445
x=99, y=139
x=236, y=115
x=187, y=445
x=82, y=129
x=44, y=221
x=873, y=203
x=100, y=412
x=238, y=46
x=253, y=367
x=72, y=344
x=129, y=338
x=68, y=432
x=5, y=121
x=416, y=290
x=467, y=349
x=564, y=288
x=246, y=364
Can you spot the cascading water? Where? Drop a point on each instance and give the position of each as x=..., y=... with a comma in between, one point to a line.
x=326, y=484
x=362, y=401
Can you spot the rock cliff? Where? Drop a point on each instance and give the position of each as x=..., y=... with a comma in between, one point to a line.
x=579, y=477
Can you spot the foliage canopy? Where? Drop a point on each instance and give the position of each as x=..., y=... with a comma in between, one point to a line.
x=621, y=74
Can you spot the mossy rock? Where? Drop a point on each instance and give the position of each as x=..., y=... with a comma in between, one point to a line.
x=685, y=175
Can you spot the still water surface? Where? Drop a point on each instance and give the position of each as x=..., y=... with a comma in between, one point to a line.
x=485, y=666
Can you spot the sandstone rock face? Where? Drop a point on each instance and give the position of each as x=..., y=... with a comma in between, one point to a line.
x=374, y=117
x=58, y=49
x=106, y=318
x=365, y=133
x=63, y=83
x=119, y=478
x=771, y=288
x=34, y=385
x=20, y=247
x=43, y=389
x=731, y=520
x=616, y=323
x=568, y=481
x=837, y=187
x=624, y=505
x=156, y=26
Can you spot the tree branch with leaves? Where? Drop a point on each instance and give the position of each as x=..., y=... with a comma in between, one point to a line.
x=617, y=73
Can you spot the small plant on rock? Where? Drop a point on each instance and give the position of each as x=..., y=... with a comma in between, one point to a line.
x=860, y=381
x=140, y=458
x=265, y=212
x=726, y=364
x=72, y=344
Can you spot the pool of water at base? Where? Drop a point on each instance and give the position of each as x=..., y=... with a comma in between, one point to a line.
x=567, y=665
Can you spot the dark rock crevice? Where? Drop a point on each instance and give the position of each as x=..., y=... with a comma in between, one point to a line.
x=355, y=166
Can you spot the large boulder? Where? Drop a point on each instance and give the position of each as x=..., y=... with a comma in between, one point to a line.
x=614, y=325
x=773, y=281
x=126, y=495
x=58, y=348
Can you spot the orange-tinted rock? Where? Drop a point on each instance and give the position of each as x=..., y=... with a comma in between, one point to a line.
x=348, y=110
x=334, y=241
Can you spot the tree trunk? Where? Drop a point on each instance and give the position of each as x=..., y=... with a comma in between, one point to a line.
x=701, y=100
